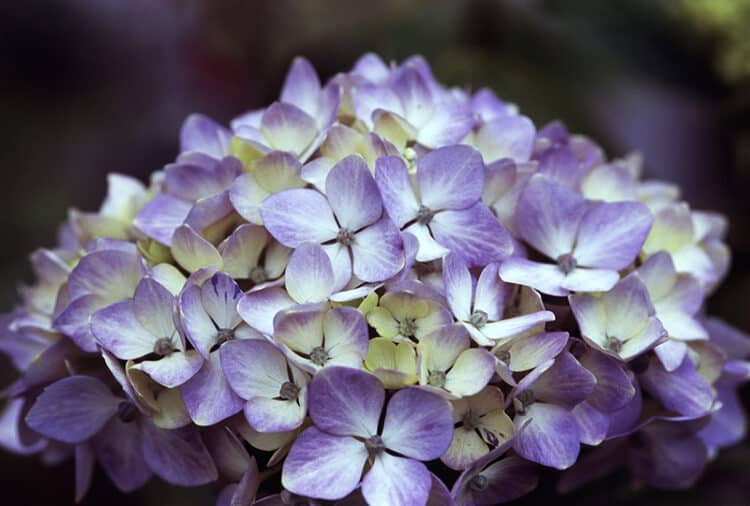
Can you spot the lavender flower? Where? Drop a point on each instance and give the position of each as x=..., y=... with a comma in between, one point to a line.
x=369, y=276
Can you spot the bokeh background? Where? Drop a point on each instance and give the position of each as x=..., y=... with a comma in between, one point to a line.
x=89, y=87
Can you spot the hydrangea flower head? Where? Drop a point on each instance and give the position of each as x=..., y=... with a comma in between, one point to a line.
x=388, y=291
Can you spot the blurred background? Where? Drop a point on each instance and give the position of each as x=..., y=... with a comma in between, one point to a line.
x=89, y=87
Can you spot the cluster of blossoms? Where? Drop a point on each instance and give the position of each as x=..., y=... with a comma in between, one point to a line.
x=379, y=290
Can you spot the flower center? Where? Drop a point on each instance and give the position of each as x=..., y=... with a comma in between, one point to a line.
x=425, y=215
x=470, y=421
x=612, y=343
x=478, y=318
x=436, y=379
x=566, y=263
x=503, y=356
x=345, y=237
x=478, y=483
x=374, y=445
x=407, y=327
x=163, y=347
x=127, y=411
x=258, y=275
x=289, y=391
x=224, y=335
x=319, y=356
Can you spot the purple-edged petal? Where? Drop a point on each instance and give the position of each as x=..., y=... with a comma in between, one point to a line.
x=301, y=86
x=177, y=456
x=418, y=424
x=377, y=252
x=297, y=216
x=353, y=194
x=118, y=451
x=506, y=137
x=192, y=251
x=309, y=274
x=590, y=280
x=550, y=437
x=287, y=127
x=346, y=401
x=219, y=296
x=471, y=372
x=547, y=278
x=259, y=308
x=683, y=391
x=323, y=466
x=614, y=388
x=474, y=233
x=529, y=352
x=567, y=383
x=396, y=189
x=593, y=425
x=72, y=409
x=611, y=235
x=200, y=133
x=548, y=216
x=208, y=397
x=154, y=308
x=459, y=287
x=199, y=327
x=254, y=368
x=174, y=369
x=396, y=480
x=161, y=216
x=450, y=177
x=118, y=330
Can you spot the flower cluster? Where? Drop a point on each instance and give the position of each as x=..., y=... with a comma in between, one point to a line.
x=388, y=292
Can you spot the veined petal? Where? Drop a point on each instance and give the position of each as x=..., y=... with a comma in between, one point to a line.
x=177, y=456
x=73, y=409
x=547, y=278
x=396, y=189
x=154, y=307
x=323, y=466
x=353, y=194
x=297, y=216
x=550, y=436
x=346, y=402
x=450, y=178
x=506, y=137
x=288, y=128
x=200, y=133
x=208, y=396
x=377, y=252
x=301, y=86
x=118, y=330
x=254, y=368
x=309, y=274
x=174, y=369
x=259, y=308
x=192, y=251
x=396, y=480
x=459, y=289
x=246, y=196
x=474, y=233
x=418, y=424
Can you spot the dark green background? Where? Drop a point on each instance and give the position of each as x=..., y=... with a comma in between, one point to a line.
x=95, y=86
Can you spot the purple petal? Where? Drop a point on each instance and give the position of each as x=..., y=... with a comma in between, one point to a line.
x=418, y=424
x=199, y=328
x=254, y=368
x=611, y=235
x=301, y=86
x=551, y=437
x=110, y=274
x=193, y=182
x=259, y=308
x=593, y=425
x=490, y=292
x=161, y=216
x=459, y=289
x=202, y=134
x=177, y=456
x=728, y=425
x=192, y=251
x=72, y=409
x=415, y=96
x=396, y=189
x=323, y=466
x=566, y=383
x=529, y=352
x=219, y=296
x=450, y=178
x=367, y=98
x=396, y=480
x=590, y=280
x=449, y=124
x=174, y=369
x=118, y=330
x=547, y=278
x=118, y=450
x=614, y=388
x=288, y=128
x=508, y=137
x=154, y=307
x=346, y=401
x=548, y=216
x=473, y=233
x=297, y=216
x=309, y=274
x=85, y=461
x=353, y=194
x=506, y=480
x=683, y=391
x=208, y=396
x=377, y=252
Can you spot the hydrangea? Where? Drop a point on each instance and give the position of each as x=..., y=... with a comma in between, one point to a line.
x=386, y=291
